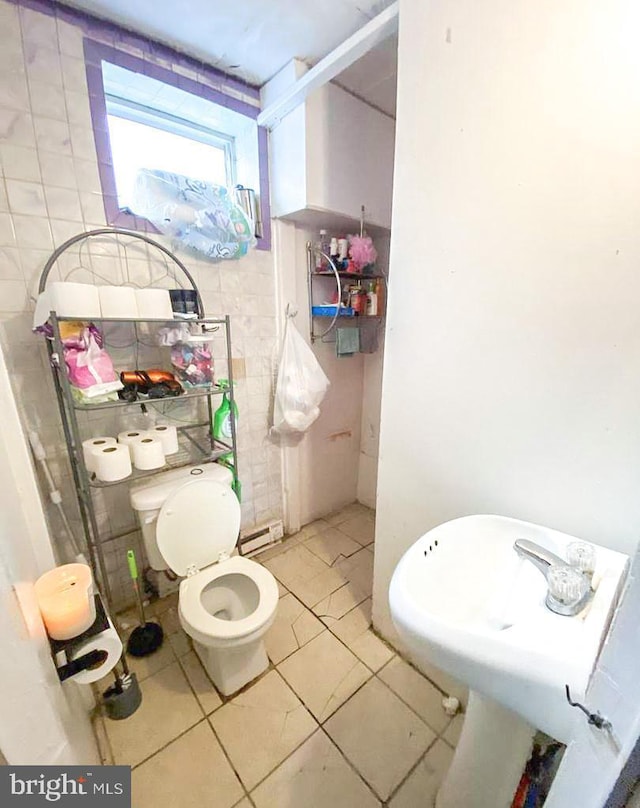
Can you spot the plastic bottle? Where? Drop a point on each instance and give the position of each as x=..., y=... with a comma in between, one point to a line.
x=322, y=246
x=221, y=427
x=357, y=300
x=372, y=301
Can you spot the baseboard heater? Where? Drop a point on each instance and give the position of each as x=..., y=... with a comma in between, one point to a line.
x=259, y=538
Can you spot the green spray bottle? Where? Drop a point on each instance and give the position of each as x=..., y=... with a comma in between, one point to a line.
x=221, y=429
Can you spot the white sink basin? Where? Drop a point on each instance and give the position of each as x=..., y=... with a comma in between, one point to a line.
x=464, y=601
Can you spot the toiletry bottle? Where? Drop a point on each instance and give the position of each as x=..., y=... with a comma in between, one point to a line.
x=333, y=250
x=356, y=300
x=343, y=250
x=322, y=246
x=372, y=301
x=222, y=420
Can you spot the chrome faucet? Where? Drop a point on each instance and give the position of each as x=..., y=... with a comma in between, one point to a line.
x=568, y=589
x=538, y=555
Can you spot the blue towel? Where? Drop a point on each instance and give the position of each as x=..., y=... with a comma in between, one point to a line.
x=347, y=341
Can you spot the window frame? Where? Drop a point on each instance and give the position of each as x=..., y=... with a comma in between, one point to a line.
x=95, y=54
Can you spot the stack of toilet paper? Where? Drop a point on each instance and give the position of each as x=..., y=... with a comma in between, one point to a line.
x=112, y=460
x=88, y=302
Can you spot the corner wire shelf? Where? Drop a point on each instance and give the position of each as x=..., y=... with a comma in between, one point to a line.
x=338, y=276
x=114, y=256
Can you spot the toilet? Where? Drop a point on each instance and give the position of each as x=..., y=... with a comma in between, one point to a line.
x=190, y=520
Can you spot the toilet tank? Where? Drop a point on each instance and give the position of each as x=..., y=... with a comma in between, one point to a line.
x=148, y=496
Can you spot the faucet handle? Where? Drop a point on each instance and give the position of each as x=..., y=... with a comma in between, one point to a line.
x=582, y=556
x=568, y=589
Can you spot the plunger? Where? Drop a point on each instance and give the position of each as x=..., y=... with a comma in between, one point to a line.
x=147, y=637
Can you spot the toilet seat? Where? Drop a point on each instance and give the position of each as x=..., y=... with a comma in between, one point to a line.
x=202, y=625
x=198, y=525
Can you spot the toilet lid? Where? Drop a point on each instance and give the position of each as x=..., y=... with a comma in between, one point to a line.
x=197, y=524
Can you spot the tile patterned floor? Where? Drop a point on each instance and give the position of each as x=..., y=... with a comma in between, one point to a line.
x=339, y=720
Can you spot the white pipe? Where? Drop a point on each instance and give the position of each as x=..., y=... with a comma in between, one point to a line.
x=54, y=494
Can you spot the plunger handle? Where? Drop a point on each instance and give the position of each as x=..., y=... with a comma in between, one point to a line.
x=133, y=571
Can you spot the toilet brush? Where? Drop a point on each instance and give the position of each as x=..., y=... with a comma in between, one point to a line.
x=147, y=637
x=124, y=697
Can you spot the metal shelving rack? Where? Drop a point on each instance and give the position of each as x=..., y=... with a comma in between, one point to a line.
x=338, y=277
x=196, y=441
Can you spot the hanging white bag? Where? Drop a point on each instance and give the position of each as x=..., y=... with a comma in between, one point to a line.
x=301, y=385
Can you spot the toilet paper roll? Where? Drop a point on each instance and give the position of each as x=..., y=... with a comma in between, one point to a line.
x=94, y=443
x=129, y=437
x=112, y=462
x=154, y=304
x=147, y=453
x=118, y=301
x=108, y=641
x=168, y=435
x=74, y=300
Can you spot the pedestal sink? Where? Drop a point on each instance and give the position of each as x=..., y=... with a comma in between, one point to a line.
x=463, y=600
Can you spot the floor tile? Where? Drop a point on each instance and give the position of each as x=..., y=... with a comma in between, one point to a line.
x=361, y=527
x=174, y=633
x=417, y=692
x=316, y=589
x=354, y=623
x=190, y=772
x=145, y=666
x=293, y=627
x=317, y=776
x=358, y=570
x=162, y=604
x=446, y=683
x=420, y=788
x=452, y=733
x=295, y=565
x=380, y=735
x=310, y=530
x=208, y=697
x=168, y=709
x=282, y=591
x=245, y=803
x=371, y=650
x=260, y=727
x=324, y=674
x=340, y=602
x=348, y=512
x=331, y=545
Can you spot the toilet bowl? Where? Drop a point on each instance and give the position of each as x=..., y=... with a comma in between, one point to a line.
x=226, y=603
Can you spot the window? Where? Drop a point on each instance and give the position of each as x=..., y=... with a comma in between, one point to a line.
x=141, y=139
x=147, y=117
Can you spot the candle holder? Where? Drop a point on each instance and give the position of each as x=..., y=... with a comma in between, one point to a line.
x=85, y=661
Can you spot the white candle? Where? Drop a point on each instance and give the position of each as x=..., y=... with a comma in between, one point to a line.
x=65, y=600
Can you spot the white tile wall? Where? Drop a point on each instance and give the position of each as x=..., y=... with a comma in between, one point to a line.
x=49, y=191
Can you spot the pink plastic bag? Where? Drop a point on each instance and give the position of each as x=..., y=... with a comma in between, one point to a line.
x=87, y=363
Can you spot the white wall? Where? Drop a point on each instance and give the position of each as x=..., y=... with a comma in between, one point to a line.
x=372, y=400
x=511, y=380
x=42, y=721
